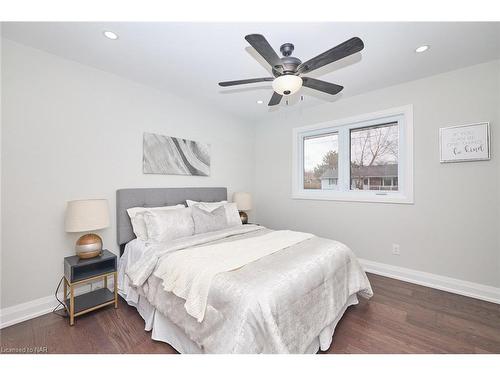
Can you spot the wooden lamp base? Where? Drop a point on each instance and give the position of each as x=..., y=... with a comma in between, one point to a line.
x=243, y=217
x=88, y=246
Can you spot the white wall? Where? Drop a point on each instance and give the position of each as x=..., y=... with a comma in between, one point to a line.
x=453, y=227
x=72, y=132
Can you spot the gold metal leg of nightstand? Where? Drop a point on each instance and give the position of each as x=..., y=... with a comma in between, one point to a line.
x=115, y=287
x=71, y=305
x=106, y=281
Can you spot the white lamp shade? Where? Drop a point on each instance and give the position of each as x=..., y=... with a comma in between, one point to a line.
x=243, y=201
x=86, y=215
x=287, y=84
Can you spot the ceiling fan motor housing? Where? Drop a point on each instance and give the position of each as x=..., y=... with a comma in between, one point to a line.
x=289, y=63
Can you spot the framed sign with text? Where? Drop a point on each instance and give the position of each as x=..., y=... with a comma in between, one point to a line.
x=464, y=143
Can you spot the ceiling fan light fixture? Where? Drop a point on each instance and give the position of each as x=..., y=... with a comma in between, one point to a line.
x=287, y=84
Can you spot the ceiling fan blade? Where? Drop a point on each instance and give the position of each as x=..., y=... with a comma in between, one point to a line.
x=244, y=81
x=264, y=49
x=345, y=49
x=316, y=84
x=275, y=99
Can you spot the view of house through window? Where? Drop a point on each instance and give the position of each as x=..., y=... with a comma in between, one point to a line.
x=321, y=161
x=368, y=158
x=374, y=157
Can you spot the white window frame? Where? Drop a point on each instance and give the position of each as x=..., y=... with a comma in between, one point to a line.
x=402, y=115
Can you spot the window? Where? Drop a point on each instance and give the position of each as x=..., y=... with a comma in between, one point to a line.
x=320, y=160
x=366, y=158
x=374, y=154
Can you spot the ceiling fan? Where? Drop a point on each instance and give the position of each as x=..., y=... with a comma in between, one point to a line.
x=287, y=70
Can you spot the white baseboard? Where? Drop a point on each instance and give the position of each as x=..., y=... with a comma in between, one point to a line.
x=25, y=311
x=28, y=310
x=448, y=284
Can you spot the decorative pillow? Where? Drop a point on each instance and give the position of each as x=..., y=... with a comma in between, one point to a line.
x=207, y=206
x=169, y=225
x=205, y=221
x=232, y=214
x=136, y=215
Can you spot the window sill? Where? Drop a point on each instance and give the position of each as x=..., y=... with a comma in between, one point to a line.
x=370, y=197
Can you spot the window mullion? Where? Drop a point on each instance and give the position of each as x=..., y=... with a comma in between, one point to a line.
x=344, y=159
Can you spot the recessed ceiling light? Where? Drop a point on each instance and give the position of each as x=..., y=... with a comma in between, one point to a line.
x=110, y=35
x=260, y=101
x=422, y=48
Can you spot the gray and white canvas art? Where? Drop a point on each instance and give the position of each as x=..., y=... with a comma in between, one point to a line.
x=170, y=155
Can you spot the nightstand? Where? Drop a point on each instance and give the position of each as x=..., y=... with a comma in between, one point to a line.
x=80, y=271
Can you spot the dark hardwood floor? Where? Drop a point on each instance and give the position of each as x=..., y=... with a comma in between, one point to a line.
x=400, y=318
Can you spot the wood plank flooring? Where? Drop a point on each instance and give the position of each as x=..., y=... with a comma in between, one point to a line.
x=400, y=318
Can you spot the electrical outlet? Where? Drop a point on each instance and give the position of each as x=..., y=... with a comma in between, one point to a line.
x=395, y=249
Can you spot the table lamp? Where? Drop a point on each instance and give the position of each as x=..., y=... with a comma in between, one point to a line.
x=244, y=203
x=84, y=216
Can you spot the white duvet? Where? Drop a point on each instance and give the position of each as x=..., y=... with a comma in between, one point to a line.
x=189, y=273
x=278, y=302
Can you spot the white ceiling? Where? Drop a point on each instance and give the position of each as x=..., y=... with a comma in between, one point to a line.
x=189, y=59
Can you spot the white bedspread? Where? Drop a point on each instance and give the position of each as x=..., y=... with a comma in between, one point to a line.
x=279, y=303
x=189, y=273
x=145, y=266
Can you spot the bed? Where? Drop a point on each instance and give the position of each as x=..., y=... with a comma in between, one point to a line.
x=288, y=301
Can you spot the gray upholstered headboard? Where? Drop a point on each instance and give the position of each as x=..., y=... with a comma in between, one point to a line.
x=156, y=197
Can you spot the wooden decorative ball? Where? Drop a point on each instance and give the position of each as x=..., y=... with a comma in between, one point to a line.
x=88, y=246
x=243, y=217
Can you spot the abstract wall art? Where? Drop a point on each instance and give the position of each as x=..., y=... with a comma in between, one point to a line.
x=169, y=155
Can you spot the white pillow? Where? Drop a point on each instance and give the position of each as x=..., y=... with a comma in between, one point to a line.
x=169, y=225
x=136, y=215
x=205, y=221
x=207, y=206
x=232, y=214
